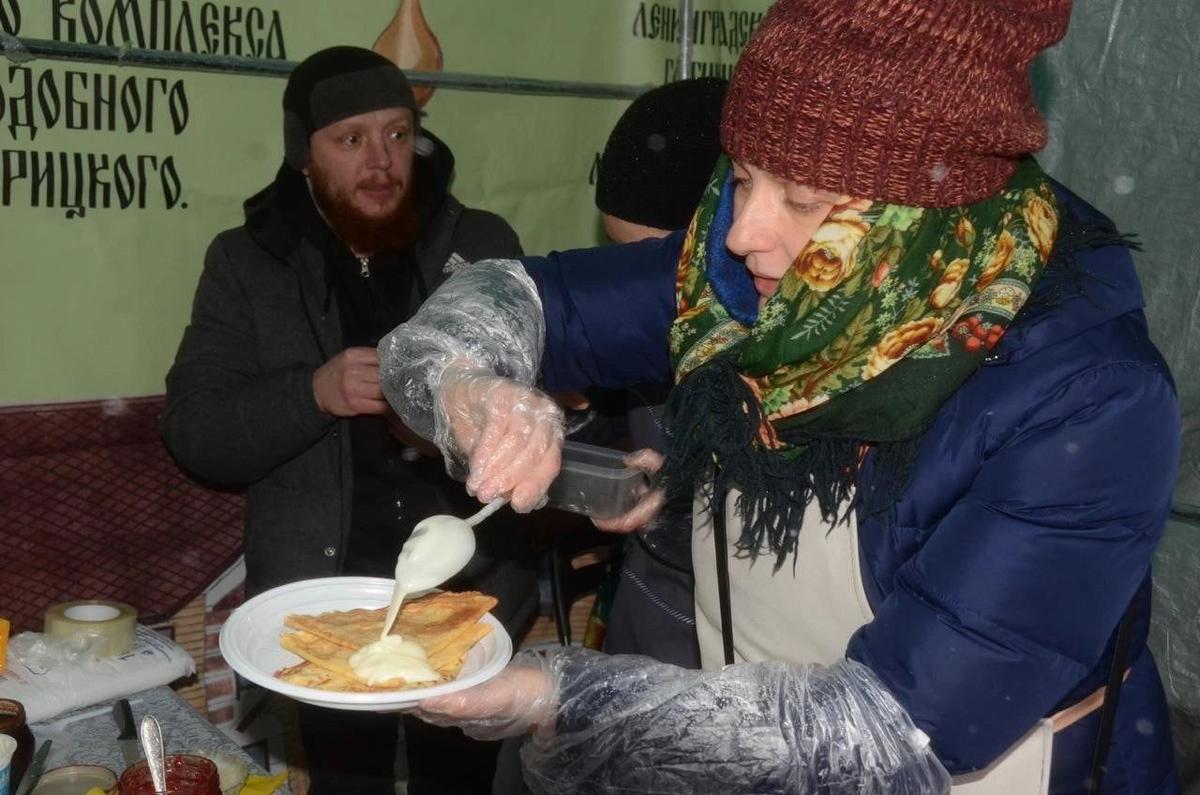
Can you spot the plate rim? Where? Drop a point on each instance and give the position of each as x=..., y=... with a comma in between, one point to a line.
x=328, y=698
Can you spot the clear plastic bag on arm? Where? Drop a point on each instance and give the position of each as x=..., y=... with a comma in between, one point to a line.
x=606, y=723
x=485, y=320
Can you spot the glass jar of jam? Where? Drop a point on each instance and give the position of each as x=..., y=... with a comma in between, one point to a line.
x=186, y=775
x=12, y=723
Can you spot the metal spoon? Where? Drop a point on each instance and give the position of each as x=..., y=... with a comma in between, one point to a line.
x=152, y=747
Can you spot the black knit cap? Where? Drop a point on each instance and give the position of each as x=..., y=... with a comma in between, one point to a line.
x=335, y=84
x=661, y=153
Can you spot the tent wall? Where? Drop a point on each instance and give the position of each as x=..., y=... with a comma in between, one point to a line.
x=1122, y=98
x=94, y=302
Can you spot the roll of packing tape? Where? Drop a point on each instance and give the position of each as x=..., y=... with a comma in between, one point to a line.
x=110, y=625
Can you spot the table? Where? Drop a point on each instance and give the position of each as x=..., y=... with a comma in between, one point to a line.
x=89, y=736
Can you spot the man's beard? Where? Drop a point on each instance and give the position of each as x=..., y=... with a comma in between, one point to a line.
x=366, y=234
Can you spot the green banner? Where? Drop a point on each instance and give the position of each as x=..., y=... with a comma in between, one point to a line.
x=113, y=180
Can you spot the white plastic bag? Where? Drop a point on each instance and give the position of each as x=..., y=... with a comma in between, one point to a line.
x=50, y=679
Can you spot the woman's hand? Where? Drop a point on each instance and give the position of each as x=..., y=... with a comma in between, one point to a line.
x=510, y=434
x=650, y=503
x=519, y=699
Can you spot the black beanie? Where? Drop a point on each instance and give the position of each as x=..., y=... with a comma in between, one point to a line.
x=661, y=153
x=335, y=84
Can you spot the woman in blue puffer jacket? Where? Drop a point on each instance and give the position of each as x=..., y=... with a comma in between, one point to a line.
x=927, y=444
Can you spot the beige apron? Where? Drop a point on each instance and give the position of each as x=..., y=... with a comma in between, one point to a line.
x=827, y=576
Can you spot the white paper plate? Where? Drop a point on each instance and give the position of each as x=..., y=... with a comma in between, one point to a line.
x=250, y=642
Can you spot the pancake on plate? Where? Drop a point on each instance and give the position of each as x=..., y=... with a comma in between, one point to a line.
x=445, y=624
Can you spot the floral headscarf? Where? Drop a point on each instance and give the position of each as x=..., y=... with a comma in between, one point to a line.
x=885, y=313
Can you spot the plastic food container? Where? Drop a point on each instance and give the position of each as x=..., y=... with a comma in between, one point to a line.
x=594, y=481
x=75, y=780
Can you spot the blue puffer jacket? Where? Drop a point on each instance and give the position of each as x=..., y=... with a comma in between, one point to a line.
x=1040, y=493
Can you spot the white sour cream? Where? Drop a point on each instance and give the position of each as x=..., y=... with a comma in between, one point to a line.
x=438, y=549
x=390, y=658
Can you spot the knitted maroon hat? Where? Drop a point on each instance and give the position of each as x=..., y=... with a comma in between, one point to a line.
x=919, y=102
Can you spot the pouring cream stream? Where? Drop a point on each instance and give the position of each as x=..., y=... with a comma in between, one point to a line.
x=438, y=548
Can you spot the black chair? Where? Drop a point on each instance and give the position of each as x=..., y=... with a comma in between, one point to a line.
x=581, y=559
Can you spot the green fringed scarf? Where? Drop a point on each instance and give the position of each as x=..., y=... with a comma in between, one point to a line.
x=883, y=316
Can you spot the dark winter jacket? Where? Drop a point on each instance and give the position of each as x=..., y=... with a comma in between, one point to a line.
x=240, y=407
x=1041, y=490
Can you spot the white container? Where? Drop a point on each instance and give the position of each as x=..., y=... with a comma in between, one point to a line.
x=74, y=780
x=8, y=747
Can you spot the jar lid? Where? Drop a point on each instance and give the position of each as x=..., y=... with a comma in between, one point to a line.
x=12, y=714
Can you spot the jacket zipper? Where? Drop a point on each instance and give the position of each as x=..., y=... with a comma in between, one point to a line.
x=364, y=267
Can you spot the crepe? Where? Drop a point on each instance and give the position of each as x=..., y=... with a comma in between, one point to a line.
x=305, y=674
x=445, y=624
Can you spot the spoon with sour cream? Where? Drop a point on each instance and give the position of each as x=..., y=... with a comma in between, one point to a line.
x=439, y=547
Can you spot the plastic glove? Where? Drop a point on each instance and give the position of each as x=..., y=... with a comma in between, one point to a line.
x=510, y=434
x=484, y=317
x=516, y=700
x=649, y=504
x=606, y=723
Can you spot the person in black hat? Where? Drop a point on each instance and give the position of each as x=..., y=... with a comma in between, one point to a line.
x=275, y=386
x=655, y=165
x=658, y=159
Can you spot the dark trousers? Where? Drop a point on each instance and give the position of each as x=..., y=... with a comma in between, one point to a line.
x=653, y=612
x=354, y=753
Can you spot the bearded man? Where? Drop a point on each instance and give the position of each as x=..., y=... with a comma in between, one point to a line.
x=275, y=387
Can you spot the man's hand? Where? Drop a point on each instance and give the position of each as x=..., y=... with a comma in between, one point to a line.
x=348, y=384
x=406, y=436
